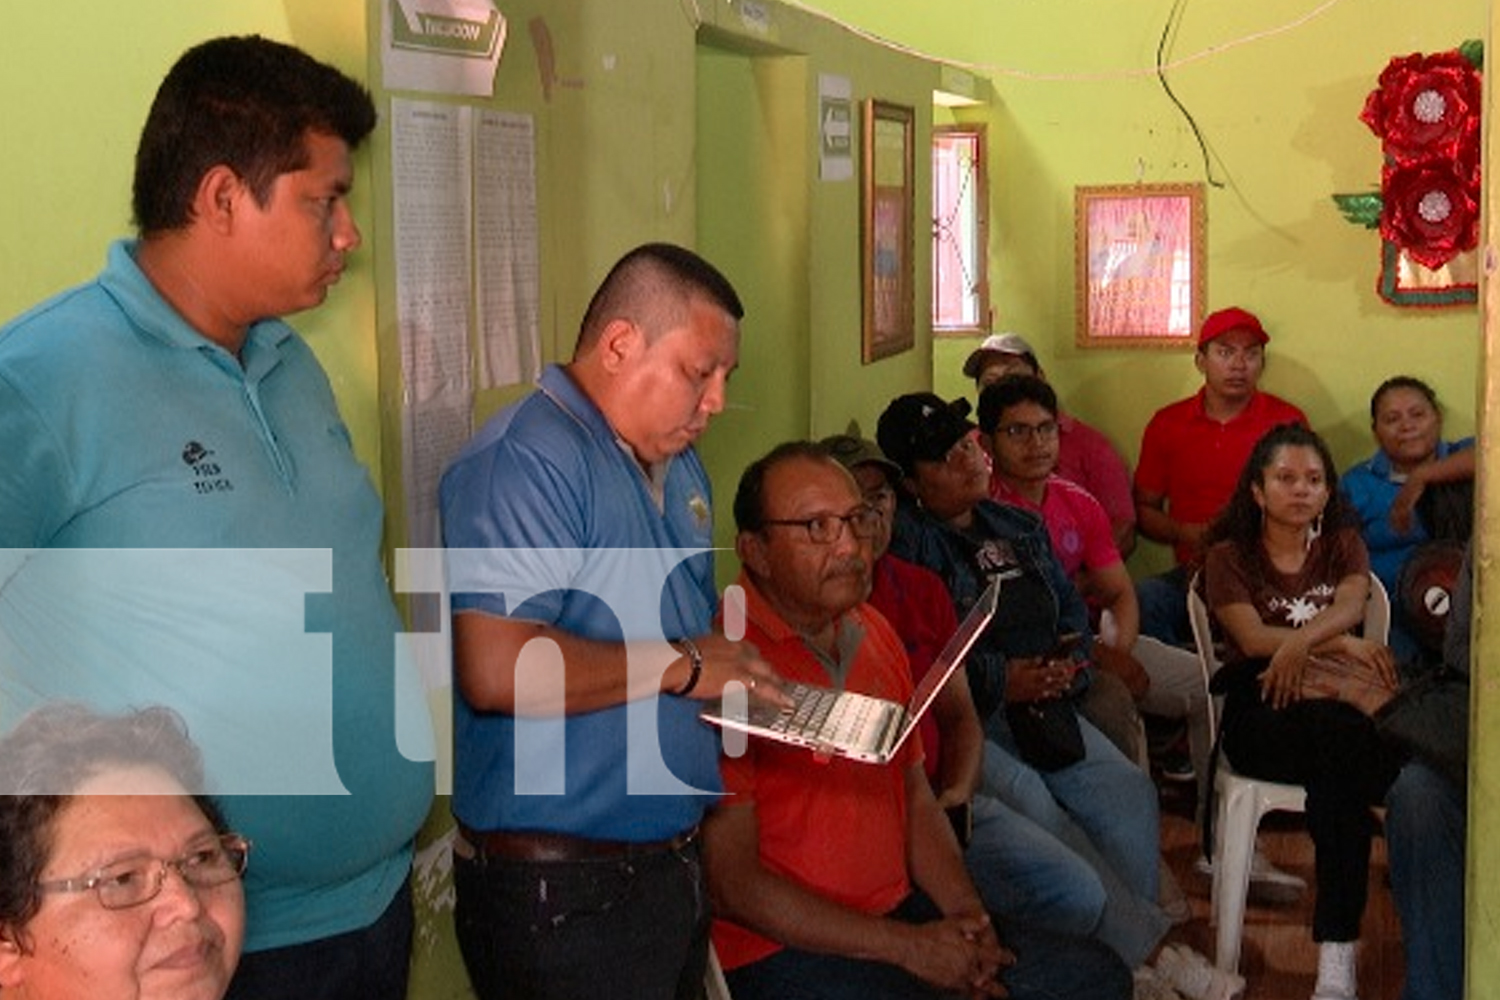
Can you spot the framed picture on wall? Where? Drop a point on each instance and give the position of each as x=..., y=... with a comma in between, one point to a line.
x=1139, y=264
x=886, y=235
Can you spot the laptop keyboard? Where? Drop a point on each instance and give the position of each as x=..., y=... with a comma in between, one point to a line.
x=826, y=715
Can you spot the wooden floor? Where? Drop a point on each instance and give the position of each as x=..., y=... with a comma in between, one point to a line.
x=1279, y=959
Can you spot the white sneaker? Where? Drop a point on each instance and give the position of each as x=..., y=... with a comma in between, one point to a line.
x=1194, y=977
x=1336, y=971
x=1262, y=872
x=1172, y=900
x=1149, y=985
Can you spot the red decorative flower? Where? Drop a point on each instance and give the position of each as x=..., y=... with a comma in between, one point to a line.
x=1426, y=106
x=1430, y=210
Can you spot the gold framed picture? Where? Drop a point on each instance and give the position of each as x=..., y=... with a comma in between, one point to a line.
x=886, y=230
x=1139, y=267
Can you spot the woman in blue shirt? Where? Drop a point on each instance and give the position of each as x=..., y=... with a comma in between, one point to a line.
x=1386, y=487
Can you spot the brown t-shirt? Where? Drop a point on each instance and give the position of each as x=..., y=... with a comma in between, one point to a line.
x=1281, y=599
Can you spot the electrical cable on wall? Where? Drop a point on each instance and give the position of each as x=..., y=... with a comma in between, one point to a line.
x=992, y=69
x=1174, y=19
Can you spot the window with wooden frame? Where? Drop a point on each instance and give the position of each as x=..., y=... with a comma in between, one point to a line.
x=960, y=230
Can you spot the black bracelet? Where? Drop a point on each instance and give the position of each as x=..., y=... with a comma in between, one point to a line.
x=695, y=661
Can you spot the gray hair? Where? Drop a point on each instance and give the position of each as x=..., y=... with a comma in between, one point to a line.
x=48, y=756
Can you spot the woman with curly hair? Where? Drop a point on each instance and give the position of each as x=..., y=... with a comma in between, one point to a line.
x=1286, y=577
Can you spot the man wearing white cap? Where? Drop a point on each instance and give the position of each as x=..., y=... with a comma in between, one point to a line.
x=1085, y=456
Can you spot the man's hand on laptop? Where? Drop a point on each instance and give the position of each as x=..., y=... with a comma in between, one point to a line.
x=725, y=662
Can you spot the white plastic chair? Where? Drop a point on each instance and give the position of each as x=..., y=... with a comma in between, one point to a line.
x=715, y=988
x=1242, y=801
x=1108, y=631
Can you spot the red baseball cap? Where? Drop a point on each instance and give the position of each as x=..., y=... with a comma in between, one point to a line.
x=1233, y=318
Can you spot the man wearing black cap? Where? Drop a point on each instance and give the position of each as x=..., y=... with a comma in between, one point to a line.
x=1191, y=456
x=1101, y=807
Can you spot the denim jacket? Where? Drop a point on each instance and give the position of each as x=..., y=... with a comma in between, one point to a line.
x=1034, y=609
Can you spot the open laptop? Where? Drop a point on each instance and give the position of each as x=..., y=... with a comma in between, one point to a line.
x=845, y=724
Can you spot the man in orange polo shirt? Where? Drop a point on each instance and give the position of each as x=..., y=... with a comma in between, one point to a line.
x=1191, y=456
x=835, y=879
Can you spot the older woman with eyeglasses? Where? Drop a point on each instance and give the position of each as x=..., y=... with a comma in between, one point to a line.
x=118, y=878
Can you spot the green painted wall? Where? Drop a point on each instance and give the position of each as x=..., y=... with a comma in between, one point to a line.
x=76, y=79
x=613, y=113
x=1483, y=969
x=1280, y=116
x=752, y=210
x=790, y=240
x=1078, y=102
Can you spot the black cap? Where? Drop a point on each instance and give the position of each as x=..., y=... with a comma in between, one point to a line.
x=921, y=427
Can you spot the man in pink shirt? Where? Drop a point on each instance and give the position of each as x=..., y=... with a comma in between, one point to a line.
x=1191, y=456
x=1018, y=425
x=1085, y=456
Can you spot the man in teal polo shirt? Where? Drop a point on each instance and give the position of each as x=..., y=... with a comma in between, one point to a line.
x=184, y=522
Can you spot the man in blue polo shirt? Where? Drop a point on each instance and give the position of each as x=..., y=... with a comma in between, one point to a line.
x=182, y=515
x=582, y=516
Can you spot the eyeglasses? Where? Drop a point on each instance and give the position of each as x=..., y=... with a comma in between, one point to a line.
x=1045, y=430
x=825, y=529
x=880, y=497
x=133, y=881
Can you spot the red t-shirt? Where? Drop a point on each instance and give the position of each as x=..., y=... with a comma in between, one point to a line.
x=915, y=601
x=1086, y=457
x=1195, y=461
x=837, y=827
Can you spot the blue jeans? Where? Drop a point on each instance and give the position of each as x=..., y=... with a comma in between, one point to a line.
x=1163, y=601
x=1102, y=820
x=635, y=928
x=367, y=964
x=1048, y=967
x=1026, y=874
x=1424, y=831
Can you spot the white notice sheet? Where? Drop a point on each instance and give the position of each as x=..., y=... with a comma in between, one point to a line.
x=432, y=170
x=505, y=248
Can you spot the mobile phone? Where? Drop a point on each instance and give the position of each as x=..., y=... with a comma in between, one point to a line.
x=1066, y=644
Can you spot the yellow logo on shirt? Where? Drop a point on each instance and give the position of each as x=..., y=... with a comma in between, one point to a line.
x=698, y=505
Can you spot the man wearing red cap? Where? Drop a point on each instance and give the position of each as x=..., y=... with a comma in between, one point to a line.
x=1191, y=456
